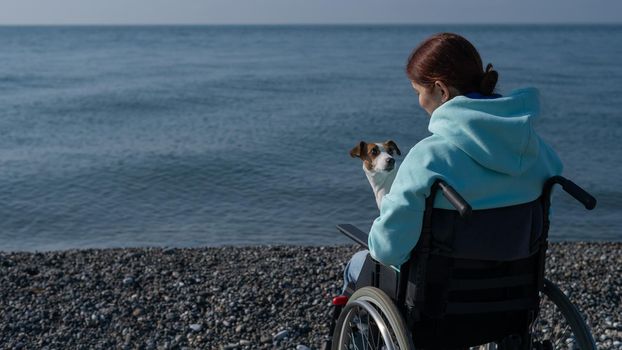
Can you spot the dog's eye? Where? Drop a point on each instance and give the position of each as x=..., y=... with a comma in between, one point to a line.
x=374, y=152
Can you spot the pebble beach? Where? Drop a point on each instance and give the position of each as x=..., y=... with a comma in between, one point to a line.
x=261, y=297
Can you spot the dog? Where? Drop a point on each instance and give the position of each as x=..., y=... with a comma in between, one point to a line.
x=378, y=164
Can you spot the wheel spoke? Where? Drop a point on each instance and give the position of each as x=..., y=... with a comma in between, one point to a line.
x=559, y=325
x=370, y=333
x=562, y=335
x=365, y=328
x=370, y=320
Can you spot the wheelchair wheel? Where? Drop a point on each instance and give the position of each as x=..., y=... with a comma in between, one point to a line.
x=370, y=320
x=559, y=324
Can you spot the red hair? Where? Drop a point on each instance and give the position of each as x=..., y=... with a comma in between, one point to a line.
x=453, y=60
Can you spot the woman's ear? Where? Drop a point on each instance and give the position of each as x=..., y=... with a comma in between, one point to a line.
x=447, y=92
x=444, y=90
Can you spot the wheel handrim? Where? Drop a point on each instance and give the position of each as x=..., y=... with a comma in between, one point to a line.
x=364, y=328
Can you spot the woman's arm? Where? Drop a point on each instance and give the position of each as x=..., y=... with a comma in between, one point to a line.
x=396, y=231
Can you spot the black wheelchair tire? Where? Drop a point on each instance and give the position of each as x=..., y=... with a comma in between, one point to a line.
x=386, y=308
x=579, y=327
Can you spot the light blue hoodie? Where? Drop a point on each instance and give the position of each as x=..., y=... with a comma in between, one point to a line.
x=485, y=148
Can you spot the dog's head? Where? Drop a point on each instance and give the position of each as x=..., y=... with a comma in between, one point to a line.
x=376, y=156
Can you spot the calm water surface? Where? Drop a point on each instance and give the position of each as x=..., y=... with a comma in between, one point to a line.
x=193, y=136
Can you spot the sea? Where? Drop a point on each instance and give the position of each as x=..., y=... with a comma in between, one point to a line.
x=194, y=136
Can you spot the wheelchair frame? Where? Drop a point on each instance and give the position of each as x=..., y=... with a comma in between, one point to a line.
x=397, y=288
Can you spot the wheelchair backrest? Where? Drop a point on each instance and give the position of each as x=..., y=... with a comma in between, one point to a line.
x=475, y=278
x=500, y=234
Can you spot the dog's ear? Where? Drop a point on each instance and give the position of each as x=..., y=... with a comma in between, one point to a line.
x=356, y=151
x=393, y=145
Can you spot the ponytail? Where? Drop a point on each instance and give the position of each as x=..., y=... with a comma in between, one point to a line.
x=489, y=80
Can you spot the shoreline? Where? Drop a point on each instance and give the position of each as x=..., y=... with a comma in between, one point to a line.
x=253, y=297
x=251, y=246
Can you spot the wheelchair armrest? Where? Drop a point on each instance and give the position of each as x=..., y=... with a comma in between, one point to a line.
x=354, y=233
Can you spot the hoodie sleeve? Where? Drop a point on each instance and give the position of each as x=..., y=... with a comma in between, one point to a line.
x=396, y=231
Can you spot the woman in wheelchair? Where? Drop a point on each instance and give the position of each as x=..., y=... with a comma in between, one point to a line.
x=438, y=275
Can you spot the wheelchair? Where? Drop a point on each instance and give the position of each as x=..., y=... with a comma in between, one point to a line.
x=475, y=279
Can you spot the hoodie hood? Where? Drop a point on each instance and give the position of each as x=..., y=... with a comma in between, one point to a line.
x=496, y=133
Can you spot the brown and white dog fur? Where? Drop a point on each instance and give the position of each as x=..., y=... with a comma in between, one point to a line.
x=378, y=164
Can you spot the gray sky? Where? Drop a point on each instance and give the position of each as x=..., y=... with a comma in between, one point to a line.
x=307, y=11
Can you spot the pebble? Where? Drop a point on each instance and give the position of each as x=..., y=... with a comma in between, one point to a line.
x=281, y=335
x=168, y=250
x=266, y=297
x=137, y=312
x=266, y=339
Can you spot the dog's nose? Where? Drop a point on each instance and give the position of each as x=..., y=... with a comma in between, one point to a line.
x=391, y=161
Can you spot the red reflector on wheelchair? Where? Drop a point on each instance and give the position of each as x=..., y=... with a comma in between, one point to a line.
x=340, y=300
